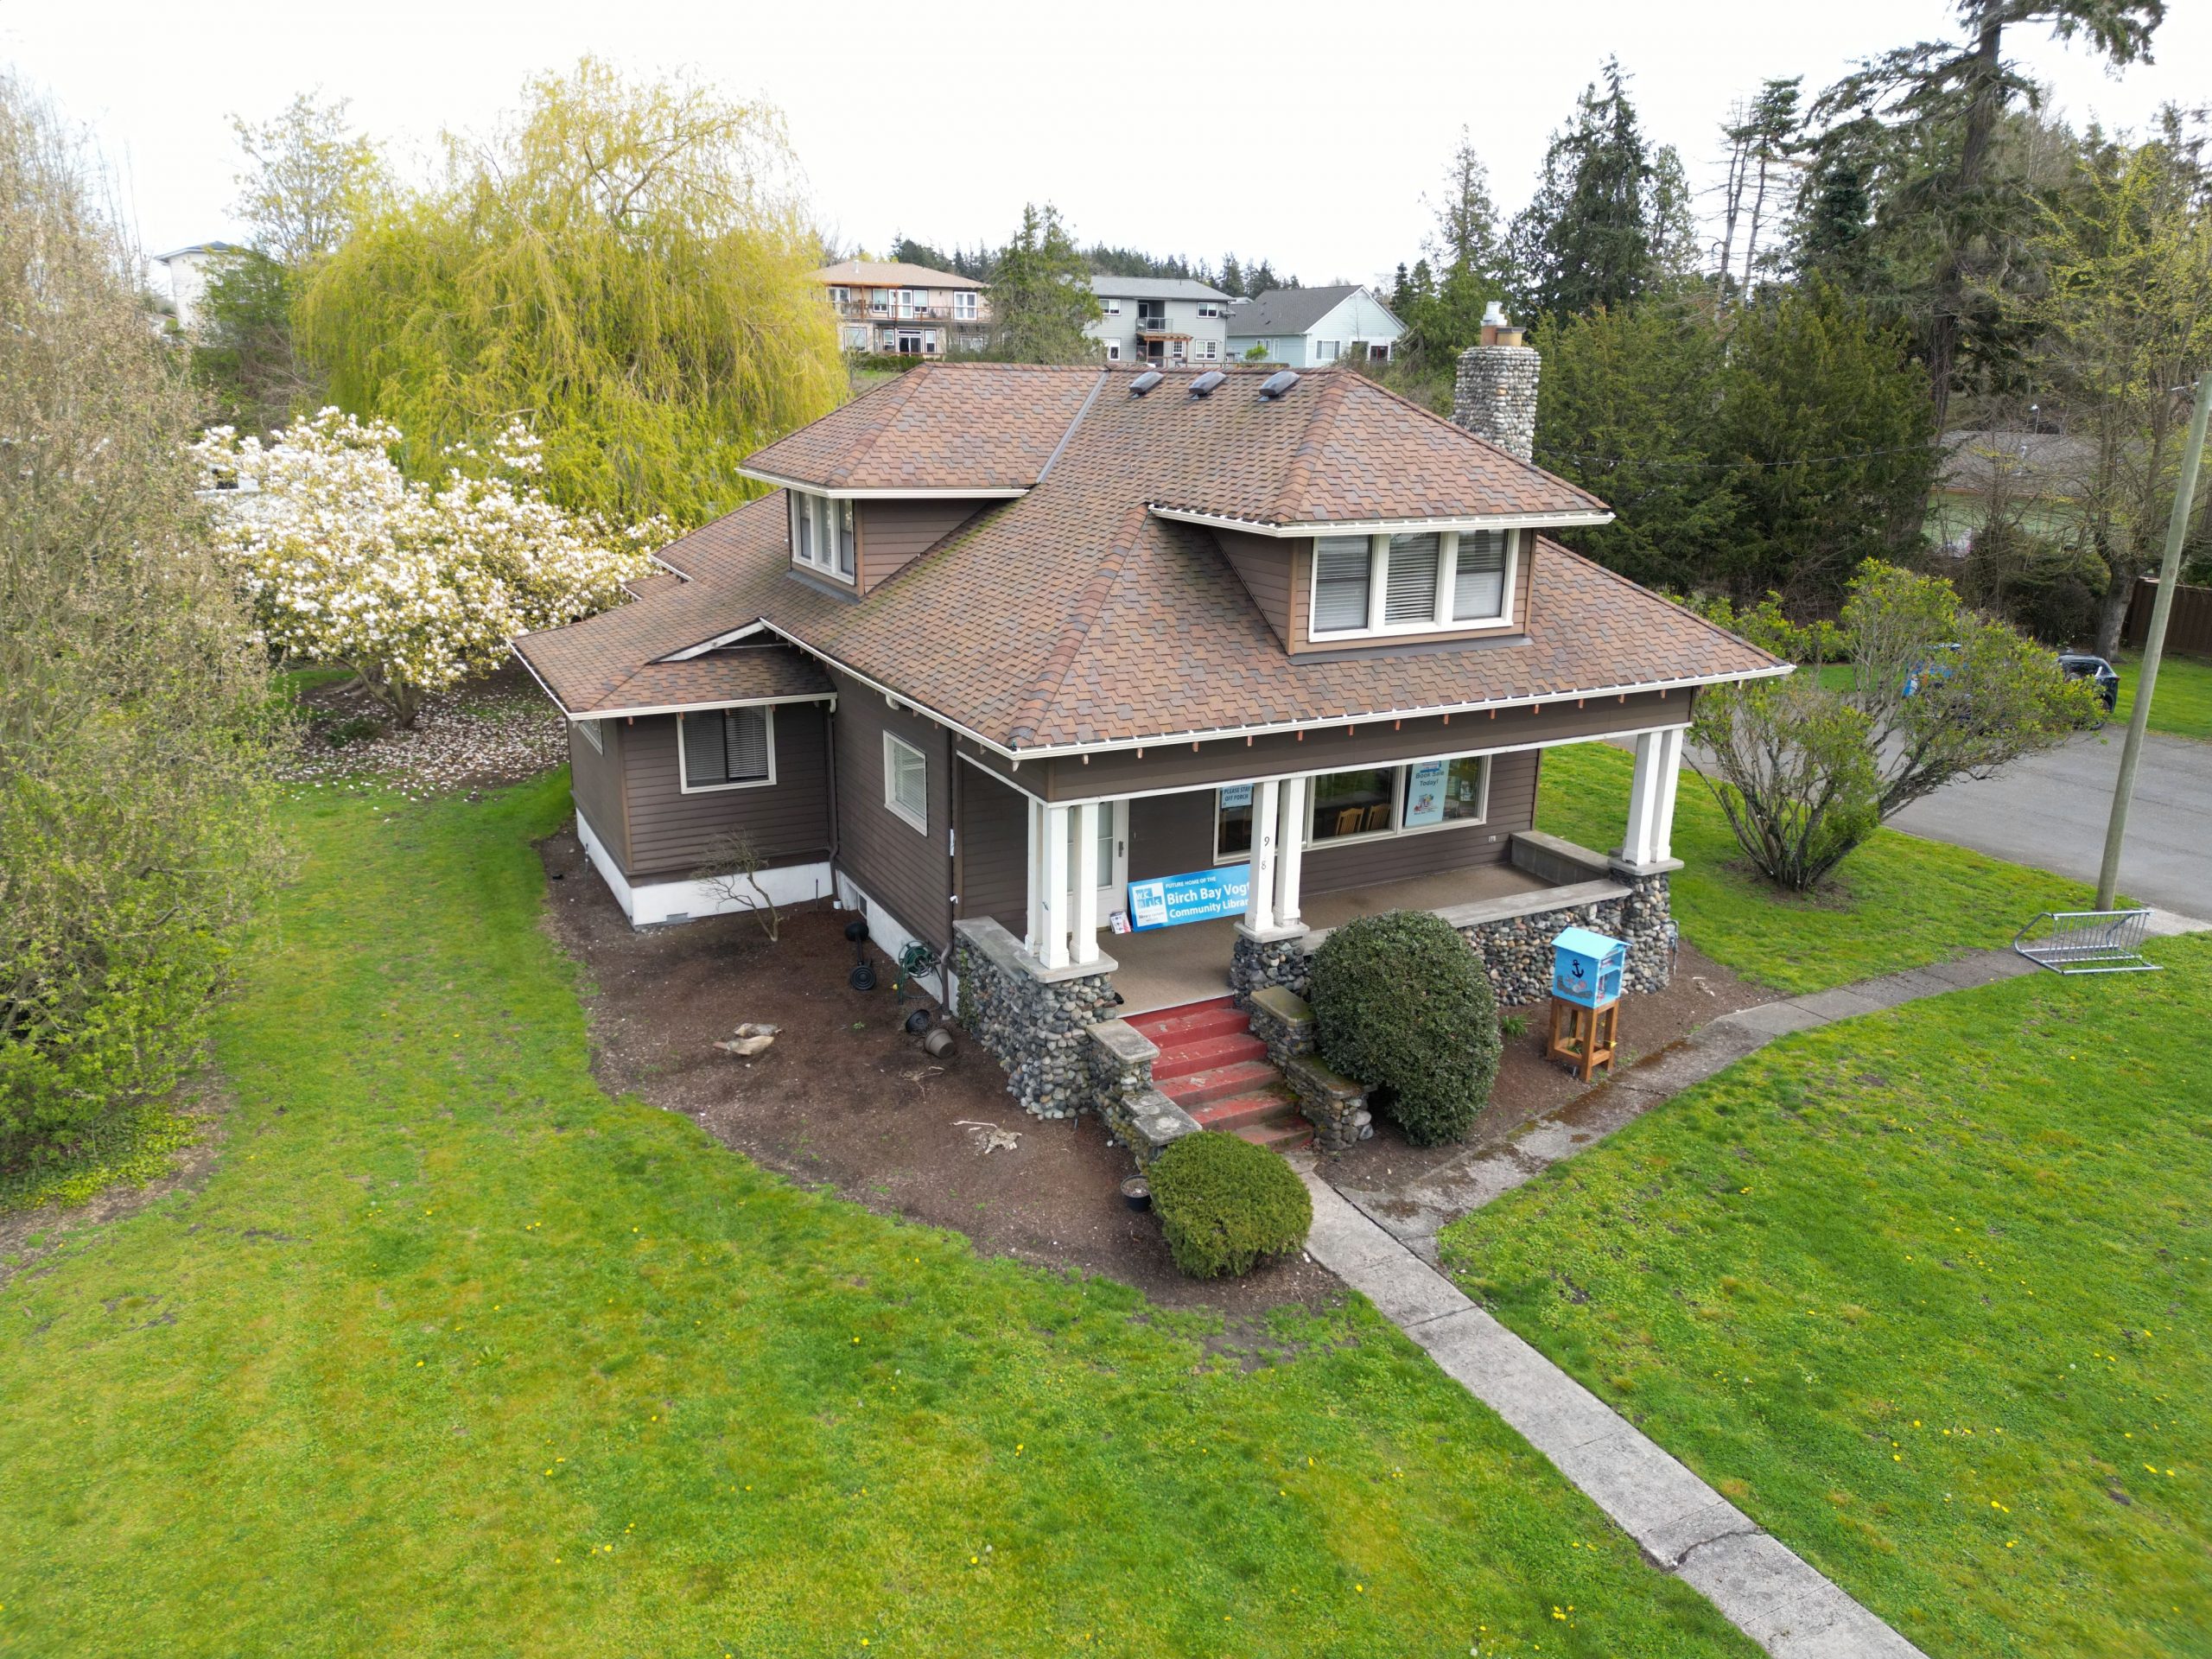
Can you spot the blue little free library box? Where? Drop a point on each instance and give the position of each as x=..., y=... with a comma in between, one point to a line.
x=1586, y=968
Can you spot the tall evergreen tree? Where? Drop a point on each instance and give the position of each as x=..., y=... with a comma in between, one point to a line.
x=1041, y=296
x=1949, y=99
x=1586, y=238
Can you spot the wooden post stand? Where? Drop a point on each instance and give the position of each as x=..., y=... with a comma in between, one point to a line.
x=1585, y=1036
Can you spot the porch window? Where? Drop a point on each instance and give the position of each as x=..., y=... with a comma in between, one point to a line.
x=1447, y=791
x=1354, y=803
x=1232, y=825
x=725, y=748
x=907, y=781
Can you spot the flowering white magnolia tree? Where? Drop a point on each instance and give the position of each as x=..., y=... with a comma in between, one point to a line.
x=414, y=587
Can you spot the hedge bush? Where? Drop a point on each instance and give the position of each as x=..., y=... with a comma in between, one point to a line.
x=1402, y=1005
x=1224, y=1203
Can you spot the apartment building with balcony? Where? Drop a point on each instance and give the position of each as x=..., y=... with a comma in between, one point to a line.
x=895, y=310
x=1167, y=320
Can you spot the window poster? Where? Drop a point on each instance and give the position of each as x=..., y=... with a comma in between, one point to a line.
x=1425, y=794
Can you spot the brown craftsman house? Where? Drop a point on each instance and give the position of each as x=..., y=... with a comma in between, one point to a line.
x=1116, y=688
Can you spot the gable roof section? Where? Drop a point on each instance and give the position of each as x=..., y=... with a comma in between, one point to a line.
x=1075, y=617
x=1154, y=288
x=1289, y=310
x=890, y=273
x=977, y=428
x=1360, y=453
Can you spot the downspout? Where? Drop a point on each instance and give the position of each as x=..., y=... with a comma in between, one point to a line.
x=952, y=896
x=830, y=745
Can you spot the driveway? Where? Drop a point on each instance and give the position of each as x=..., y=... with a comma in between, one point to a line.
x=2049, y=810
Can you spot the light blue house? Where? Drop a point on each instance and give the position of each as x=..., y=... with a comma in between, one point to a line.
x=1304, y=327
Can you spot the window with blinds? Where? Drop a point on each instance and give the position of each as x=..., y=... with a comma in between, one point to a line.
x=724, y=748
x=1409, y=583
x=907, y=781
x=1478, y=583
x=822, y=534
x=1340, y=581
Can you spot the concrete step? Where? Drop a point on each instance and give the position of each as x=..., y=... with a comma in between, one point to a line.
x=1206, y=1053
x=1221, y=1083
x=1241, y=1111
x=1168, y=1026
x=1277, y=1137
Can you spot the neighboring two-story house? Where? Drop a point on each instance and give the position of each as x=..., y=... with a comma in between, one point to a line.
x=1306, y=327
x=1165, y=322
x=1015, y=658
x=903, y=310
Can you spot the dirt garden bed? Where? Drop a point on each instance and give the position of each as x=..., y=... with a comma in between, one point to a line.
x=846, y=1098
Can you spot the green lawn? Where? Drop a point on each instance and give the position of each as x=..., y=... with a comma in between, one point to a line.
x=1927, y=1294
x=454, y=1354
x=1897, y=902
x=2181, y=707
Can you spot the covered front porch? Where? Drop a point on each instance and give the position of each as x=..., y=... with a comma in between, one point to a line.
x=1476, y=859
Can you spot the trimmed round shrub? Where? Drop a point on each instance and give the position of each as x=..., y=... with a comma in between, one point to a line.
x=1224, y=1203
x=1402, y=1005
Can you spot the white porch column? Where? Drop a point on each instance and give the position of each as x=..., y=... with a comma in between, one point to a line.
x=1651, y=797
x=1033, y=940
x=1290, y=851
x=1055, y=951
x=1662, y=813
x=1260, y=898
x=1086, y=882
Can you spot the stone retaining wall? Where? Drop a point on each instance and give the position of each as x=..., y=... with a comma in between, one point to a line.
x=1034, y=1020
x=1512, y=935
x=1135, y=1114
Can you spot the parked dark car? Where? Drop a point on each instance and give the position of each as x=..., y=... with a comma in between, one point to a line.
x=2080, y=665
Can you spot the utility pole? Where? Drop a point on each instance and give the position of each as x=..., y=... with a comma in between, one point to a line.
x=2154, y=642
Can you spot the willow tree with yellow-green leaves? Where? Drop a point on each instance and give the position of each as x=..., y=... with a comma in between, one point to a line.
x=625, y=266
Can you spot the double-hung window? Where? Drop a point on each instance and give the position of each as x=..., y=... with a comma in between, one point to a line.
x=1327, y=351
x=964, y=305
x=907, y=781
x=1419, y=581
x=725, y=748
x=822, y=534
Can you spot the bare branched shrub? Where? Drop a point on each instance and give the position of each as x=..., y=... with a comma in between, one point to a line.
x=731, y=872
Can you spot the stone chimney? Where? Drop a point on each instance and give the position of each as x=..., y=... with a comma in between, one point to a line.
x=1495, y=396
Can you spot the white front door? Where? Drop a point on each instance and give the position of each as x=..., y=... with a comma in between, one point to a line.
x=1113, y=856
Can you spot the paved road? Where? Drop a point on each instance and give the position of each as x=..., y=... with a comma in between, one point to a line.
x=2049, y=810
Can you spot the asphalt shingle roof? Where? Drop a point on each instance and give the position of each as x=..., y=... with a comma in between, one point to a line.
x=1075, y=615
x=1154, y=288
x=1287, y=310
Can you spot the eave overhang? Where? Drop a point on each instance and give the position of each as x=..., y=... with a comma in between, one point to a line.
x=846, y=492
x=1384, y=526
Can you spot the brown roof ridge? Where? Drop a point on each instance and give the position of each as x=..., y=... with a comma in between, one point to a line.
x=1488, y=443
x=1318, y=424
x=1051, y=676
x=904, y=384
x=1615, y=576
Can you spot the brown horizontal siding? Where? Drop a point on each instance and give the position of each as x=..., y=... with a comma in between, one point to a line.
x=1173, y=765
x=908, y=872
x=673, y=834
x=1263, y=564
x=994, y=851
x=892, y=532
x=595, y=782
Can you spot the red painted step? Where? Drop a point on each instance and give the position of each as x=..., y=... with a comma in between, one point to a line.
x=1167, y=1027
x=1206, y=1054
x=1241, y=1111
x=1278, y=1136
x=1223, y=1083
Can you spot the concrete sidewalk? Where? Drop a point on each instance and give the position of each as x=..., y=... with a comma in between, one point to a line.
x=1683, y=1526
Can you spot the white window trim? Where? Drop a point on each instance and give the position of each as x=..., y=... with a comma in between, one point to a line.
x=588, y=730
x=1113, y=351
x=685, y=786
x=965, y=305
x=834, y=508
x=892, y=742
x=1378, y=573
x=1404, y=769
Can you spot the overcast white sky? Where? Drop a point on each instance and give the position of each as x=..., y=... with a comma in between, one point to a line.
x=1306, y=132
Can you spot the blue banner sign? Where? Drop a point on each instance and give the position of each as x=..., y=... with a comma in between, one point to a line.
x=1198, y=897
